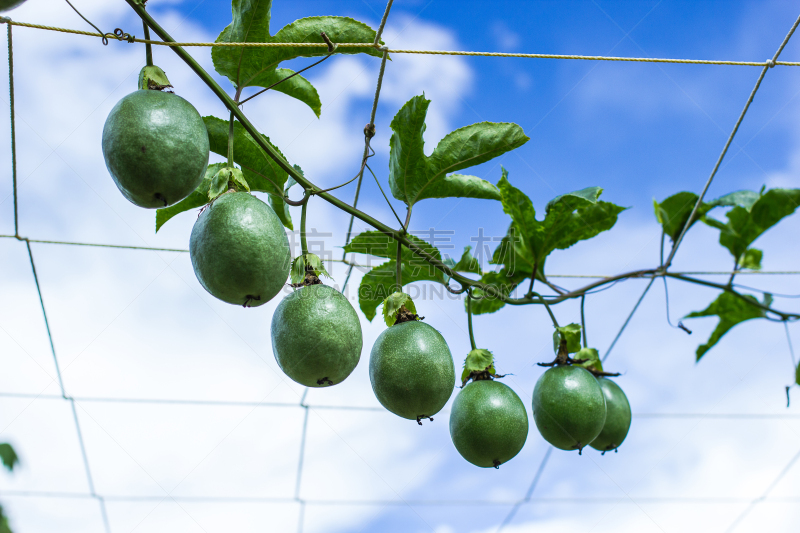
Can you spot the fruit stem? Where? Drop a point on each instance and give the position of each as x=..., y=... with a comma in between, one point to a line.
x=303, y=242
x=583, y=322
x=230, y=142
x=399, y=273
x=148, y=48
x=469, y=320
x=546, y=306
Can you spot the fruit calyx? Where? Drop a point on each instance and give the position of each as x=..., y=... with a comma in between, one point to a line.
x=307, y=270
x=479, y=366
x=152, y=78
x=227, y=179
x=398, y=308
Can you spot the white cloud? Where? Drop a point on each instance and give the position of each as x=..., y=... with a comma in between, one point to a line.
x=137, y=324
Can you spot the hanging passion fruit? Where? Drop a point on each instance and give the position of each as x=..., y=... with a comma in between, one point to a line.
x=618, y=417
x=569, y=407
x=316, y=336
x=488, y=423
x=8, y=5
x=156, y=147
x=411, y=370
x=239, y=250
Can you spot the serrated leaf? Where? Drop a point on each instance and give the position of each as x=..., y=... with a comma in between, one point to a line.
x=467, y=263
x=413, y=176
x=752, y=259
x=591, y=359
x=504, y=282
x=392, y=305
x=731, y=311
x=477, y=360
x=247, y=67
x=314, y=263
x=571, y=334
x=8, y=456
x=745, y=225
x=569, y=218
x=198, y=197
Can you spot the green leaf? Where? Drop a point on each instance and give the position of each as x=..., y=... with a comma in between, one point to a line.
x=745, y=225
x=477, y=360
x=571, y=334
x=591, y=359
x=752, y=259
x=392, y=305
x=731, y=310
x=569, y=218
x=413, y=176
x=4, y=527
x=504, y=282
x=744, y=199
x=467, y=263
x=248, y=67
x=797, y=375
x=673, y=212
x=8, y=456
x=198, y=197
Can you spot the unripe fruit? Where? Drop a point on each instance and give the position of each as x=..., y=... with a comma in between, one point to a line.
x=239, y=250
x=411, y=370
x=488, y=423
x=618, y=417
x=316, y=336
x=8, y=5
x=156, y=148
x=568, y=407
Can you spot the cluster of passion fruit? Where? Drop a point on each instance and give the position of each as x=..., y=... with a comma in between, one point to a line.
x=156, y=148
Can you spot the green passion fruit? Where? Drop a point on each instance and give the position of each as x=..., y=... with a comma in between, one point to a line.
x=488, y=423
x=156, y=148
x=316, y=336
x=411, y=370
x=239, y=250
x=618, y=417
x=569, y=407
x=8, y=5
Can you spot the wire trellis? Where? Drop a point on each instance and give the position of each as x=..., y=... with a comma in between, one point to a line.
x=514, y=505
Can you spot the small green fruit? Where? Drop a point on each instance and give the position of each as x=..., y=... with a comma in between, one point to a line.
x=316, y=336
x=156, y=148
x=411, y=370
x=618, y=417
x=488, y=423
x=8, y=5
x=239, y=250
x=568, y=407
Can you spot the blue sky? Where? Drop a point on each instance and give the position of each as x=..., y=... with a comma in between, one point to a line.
x=130, y=324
